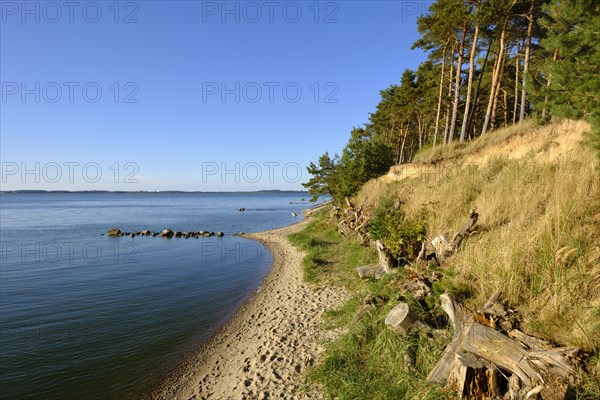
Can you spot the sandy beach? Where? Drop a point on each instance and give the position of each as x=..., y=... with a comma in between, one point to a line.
x=264, y=350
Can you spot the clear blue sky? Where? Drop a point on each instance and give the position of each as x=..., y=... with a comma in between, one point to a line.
x=162, y=66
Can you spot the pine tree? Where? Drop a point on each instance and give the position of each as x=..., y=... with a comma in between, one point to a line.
x=323, y=178
x=574, y=34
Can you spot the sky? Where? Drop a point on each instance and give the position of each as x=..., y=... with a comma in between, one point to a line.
x=190, y=95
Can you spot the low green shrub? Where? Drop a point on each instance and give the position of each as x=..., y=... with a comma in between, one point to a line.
x=402, y=237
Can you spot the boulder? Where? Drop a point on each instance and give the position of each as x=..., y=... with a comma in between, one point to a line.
x=145, y=232
x=220, y=234
x=166, y=233
x=178, y=234
x=242, y=209
x=114, y=232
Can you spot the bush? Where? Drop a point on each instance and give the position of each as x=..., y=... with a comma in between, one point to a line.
x=400, y=236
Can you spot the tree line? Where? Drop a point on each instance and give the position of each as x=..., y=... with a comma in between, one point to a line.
x=491, y=64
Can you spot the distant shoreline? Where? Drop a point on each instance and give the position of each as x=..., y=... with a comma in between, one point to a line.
x=145, y=191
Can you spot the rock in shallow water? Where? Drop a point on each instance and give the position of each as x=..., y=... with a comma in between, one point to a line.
x=166, y=233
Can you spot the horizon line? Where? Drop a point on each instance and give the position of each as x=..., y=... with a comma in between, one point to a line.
x=33, y=191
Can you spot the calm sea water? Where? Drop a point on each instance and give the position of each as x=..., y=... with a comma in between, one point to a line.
x=86, y=316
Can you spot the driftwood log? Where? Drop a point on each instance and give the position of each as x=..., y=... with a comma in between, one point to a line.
x=466, y=229
x=482, y=362
x=380, y=268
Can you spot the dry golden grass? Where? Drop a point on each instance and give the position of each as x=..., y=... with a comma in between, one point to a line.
x=512, y=141
x=538, y=229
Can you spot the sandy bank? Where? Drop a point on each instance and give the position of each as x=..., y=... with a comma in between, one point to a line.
x=263, y=352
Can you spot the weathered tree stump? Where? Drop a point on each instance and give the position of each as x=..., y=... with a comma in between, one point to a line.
x=401, y=320
x=471, y=360
x=417, y=289
x=378, y=269
x=493, y=306
x=443, y=247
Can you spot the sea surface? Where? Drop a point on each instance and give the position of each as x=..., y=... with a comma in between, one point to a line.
x=87, y=316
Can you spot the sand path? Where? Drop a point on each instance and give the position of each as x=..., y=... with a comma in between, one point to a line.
x=263, y=352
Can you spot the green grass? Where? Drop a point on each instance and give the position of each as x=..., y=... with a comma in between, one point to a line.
x=371, y=362
x=330, y=259
x=367, y=361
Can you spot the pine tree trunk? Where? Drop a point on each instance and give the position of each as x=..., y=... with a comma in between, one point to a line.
x=545, y=110
x=400, y=146
x=403, y=143
x=496, y=73
x=420, y=122
x=440, y=97
x=488, y=111
x=516, y=105
x=498, y=88
x=526, y=62
x=472, y=127
x=447, y=122
x=463, y=129
x=505, y=96
x=457, y=85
